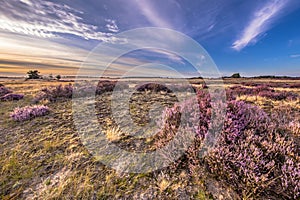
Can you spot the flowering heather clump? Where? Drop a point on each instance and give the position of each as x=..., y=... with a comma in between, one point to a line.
x=260, y=90
x=273, y=84
x=251, y=84
x=294, y=85
x=105, y=86
x=4, y=90
x=192, y=115
x=55, y=93
x=154, y=87
x=278, y=96
x=109, y=86
x=11, y=97
x=29, y=112
x=255, y=155
x=235, y=91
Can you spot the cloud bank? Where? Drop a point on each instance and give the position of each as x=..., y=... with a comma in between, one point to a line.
x=46, y=19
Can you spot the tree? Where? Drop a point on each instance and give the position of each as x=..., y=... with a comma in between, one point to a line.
x=33, y=74
x=236, y=75
x=58, y=77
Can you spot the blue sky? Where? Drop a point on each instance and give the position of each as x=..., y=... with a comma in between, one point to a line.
x=251, y=37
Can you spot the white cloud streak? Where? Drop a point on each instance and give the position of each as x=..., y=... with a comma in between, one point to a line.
x=150, y=13
x=47, y=20
x=295, y=56
x=259, y=23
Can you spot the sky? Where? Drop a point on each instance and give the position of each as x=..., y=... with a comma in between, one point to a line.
x=250, y=37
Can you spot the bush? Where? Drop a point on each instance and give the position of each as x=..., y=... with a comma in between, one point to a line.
x=11, y=97
x=254, y=152
x=255, y=155
x=273, y=84
x=278, y=96
x=109, y=86
x=260, y=90
x=29, y=112
x=4, y=90
x=55, y=93
x=154, y=87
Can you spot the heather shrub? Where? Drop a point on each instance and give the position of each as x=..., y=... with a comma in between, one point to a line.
x=260, y=90
x=55, y=93
x=254, y=152
x=193, y=115
x=293, y=85
x=288, y=118
x=11, y=97
x=83, y=90
x=29, y=112
x=278, y=96
x=4, y=90
x=251, y=84
x=237, y=90
x=153, y=87
x=273, y=84
x=105, y=86
x=182, y=88
x=255, y=155
x=109, y=86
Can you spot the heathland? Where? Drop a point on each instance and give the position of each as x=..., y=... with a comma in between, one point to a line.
x=256, y=156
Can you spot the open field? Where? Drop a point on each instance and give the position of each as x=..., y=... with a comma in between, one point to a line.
x=256, y=156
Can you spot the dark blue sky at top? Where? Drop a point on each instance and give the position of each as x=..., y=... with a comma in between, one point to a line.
x=251, y=37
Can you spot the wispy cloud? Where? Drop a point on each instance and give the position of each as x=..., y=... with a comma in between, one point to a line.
x=295, y=56
x=260, y=23
x=112, y=26
x=47, y=20
x=151, y=14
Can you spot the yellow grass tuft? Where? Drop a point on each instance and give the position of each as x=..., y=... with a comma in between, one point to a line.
x=113, y=134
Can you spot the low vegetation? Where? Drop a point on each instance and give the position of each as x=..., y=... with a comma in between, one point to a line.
x=29, y=112
x=256, y=155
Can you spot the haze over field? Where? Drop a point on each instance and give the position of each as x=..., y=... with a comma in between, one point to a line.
x=250, y=37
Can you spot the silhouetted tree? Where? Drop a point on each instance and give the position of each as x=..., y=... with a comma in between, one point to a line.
x=33, y=74
x=58, y=77
x=236, y=75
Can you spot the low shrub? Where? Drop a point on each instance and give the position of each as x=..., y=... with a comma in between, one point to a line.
x=153, y=87
x=260, y=90
x=254, y=152
x=29, y=112
x=255, y=155
x=110, y=86
x=273, y=84
x=4, y=90
x=278, y=96
x=55, y=93
x=11, y=97
x=105, y=86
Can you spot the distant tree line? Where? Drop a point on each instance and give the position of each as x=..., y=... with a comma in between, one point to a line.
x=35, y=74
